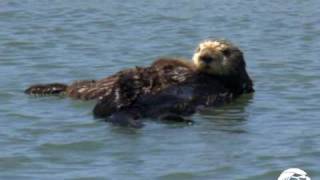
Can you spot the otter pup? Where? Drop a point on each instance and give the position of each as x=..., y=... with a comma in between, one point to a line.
x=161, y=74
x=168, y=89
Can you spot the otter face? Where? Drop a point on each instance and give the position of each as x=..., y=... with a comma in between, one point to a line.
x=218, y=57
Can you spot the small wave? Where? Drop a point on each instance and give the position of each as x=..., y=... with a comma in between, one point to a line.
x=73, y=146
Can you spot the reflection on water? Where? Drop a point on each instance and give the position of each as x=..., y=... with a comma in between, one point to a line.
x=230, y=117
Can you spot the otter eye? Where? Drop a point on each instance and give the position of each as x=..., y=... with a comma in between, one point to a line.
x=226, y=52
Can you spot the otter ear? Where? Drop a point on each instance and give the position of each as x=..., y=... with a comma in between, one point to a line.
x=239, y=57
x=226, y=52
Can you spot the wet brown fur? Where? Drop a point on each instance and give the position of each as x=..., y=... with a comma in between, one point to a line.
x=174, y=88
x=159, y=75
x=168, y=87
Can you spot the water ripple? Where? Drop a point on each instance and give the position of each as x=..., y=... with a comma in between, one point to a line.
x=253, y=138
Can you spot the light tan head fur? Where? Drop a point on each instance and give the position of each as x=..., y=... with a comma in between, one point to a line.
x=217, y=57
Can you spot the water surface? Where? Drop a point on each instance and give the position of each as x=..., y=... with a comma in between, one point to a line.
x=253, y=138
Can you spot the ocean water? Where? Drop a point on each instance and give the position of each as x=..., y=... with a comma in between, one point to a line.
x=255, y=137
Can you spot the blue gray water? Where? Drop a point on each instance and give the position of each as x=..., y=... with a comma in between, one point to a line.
x=253, y=138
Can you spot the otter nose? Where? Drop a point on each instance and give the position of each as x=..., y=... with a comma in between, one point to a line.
x=206, y=59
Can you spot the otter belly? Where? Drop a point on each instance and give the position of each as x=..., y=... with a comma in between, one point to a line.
x=184, y=99
x=174, y=100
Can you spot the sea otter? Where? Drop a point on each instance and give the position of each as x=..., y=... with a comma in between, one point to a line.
x=167, y=89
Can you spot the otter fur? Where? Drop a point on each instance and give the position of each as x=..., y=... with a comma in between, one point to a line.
x=161, y=74
x=167, y=89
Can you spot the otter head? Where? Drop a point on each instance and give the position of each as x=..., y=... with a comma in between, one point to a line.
x=222, y=58
x=218, y=57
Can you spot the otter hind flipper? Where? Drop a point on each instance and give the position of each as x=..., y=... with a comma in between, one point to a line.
x=47, y=89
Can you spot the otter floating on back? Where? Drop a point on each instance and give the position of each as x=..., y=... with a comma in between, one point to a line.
x=167, y=89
